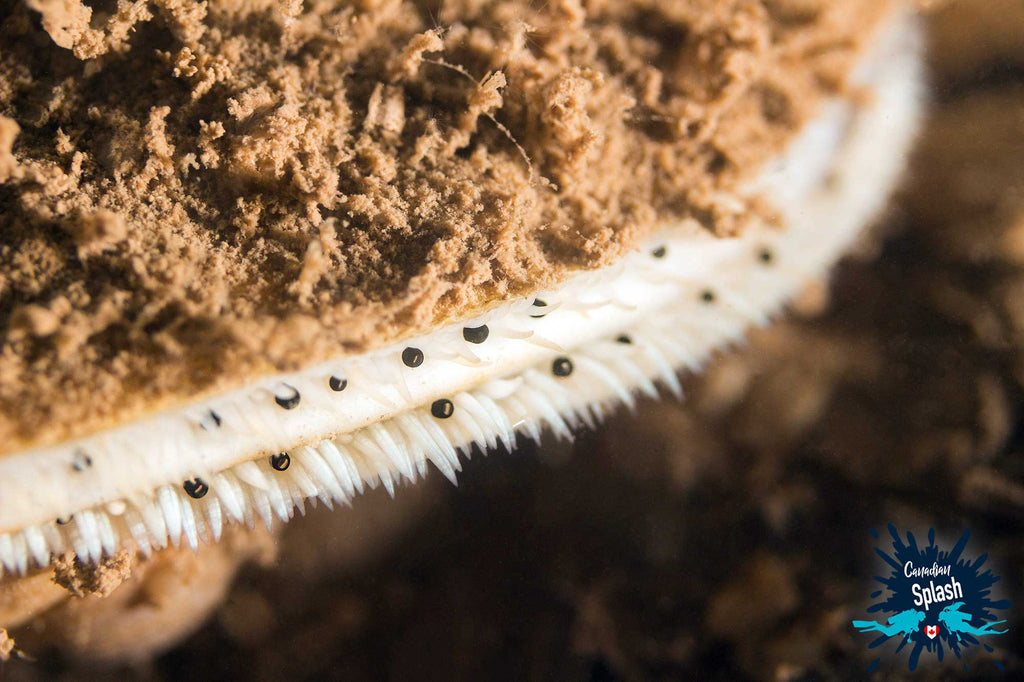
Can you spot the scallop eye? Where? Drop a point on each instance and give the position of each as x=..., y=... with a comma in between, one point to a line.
x=281, y=461
x=442, y=409
x=412, y=357
x=538, y=303
x=624, y=339
x=212, y=420
x=476, y=334
x=81, y=461
x=289, y=401
x=562, y=367
x=337, y=383
x=196, y=488
x=707, y=296
x=766, y=256
x=660, y=252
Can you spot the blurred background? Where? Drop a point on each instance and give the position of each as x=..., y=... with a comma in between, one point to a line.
x=727, y=537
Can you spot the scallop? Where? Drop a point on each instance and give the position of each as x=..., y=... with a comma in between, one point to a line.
x=554, y=361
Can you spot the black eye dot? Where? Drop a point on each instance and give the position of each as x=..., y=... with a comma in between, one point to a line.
x=707, y=296
x=80, y=461
x=538, y=303
x=562, y=367
x=766, y=256
x=214, y=419
x=442, y=409
x=280, y=461
x=476, y=334
x=660, y=252
x=289, y=402
x=337, y=383
x=196, y=488
x=412, y=357
x=65, y=520
x=624, y=339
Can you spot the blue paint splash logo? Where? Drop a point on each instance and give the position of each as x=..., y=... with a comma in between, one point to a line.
x=934, y=601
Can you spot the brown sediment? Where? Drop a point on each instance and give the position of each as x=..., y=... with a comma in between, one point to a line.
x=196, y=194
x=82, y=578
x=6, y=646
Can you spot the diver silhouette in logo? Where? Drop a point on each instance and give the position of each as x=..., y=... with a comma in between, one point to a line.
x=958, y=623
x=904, y=623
